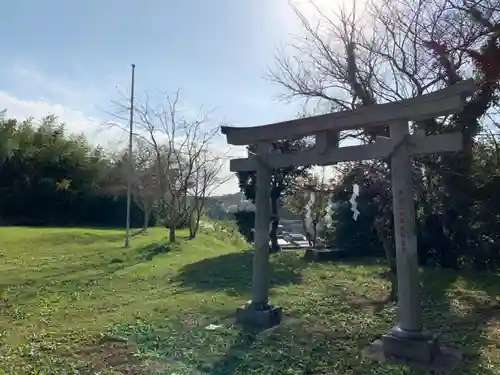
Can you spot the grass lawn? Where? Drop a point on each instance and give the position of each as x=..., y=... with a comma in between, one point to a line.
x=78, y=303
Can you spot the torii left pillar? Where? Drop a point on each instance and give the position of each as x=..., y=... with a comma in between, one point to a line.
x=258, y=312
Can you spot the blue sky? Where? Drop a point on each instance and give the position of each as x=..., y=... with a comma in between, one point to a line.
x=69, y=57
x=75, y=53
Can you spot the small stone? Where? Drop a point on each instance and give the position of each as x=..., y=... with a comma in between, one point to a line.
x=212, y=327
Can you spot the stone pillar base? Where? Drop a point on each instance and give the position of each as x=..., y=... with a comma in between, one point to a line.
x=258, y=316
x=422, y=354
x=420, y=349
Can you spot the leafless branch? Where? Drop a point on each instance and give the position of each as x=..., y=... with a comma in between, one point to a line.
x=179, y=142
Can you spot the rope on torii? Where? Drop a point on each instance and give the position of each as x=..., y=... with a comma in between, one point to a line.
x=329, y=208
x=308, y=208
x=354, y=204
x=405, y=141
x=328, y=214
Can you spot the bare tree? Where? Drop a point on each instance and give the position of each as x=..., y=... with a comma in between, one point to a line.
x=296, y=204
x=207, y=177
x=142, y=173
x=335, y=63
x=310, y=199
x=400, y=49
x=145, y=189
x=178, y=141
x=455, y=39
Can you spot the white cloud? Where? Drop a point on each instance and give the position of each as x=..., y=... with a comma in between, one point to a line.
x=26, y=80
x=76, y=121
x=22, y=109
x=35, y=81
x=97, y=133
x=72, y=102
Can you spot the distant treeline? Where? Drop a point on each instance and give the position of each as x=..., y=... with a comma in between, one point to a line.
x=48, y=177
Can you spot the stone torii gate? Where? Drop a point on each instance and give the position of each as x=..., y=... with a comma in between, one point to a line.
x=408, y=339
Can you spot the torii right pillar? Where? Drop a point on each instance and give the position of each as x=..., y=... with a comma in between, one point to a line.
x=407, y=339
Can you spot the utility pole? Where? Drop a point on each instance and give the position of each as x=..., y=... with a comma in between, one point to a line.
x=130, y=159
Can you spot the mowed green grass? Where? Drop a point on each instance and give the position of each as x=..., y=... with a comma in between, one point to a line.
x=77, y=302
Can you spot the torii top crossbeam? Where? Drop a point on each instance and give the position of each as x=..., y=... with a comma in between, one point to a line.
x=439, y=103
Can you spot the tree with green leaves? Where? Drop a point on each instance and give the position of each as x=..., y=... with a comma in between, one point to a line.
x=49, y=177
x=7, y=139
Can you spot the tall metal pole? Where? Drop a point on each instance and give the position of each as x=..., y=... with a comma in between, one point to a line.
x=130, y=158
